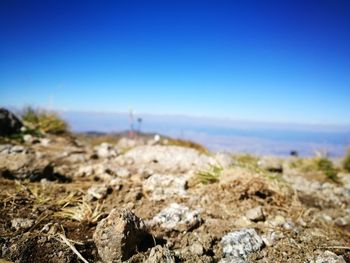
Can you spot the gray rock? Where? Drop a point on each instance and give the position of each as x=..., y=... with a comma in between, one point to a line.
x=126, y=143
x=271, y=237
x=28, y=138
x=85, y=170
x=45, y=141
x=116, y=183
x=101, y=171
x=196, y=248
x=170, y=158
x=277, y=221
x=76, y=158
x=255, y=214
x=5, y=148
x=342, y=221
x=106, y=150
x=177, y=217
x=22, y=165
x=119, y=236
x=324, y=195
x=22, y=223
x=164, y=186
x=17, y=149
x=145, y=172
x=325, y=218
x=329, y=257
x=160, y=254
x=238, y=245
x=271, y=164
x=122, y=172
x=9, y=123
x=97, y=192
x=224, y=160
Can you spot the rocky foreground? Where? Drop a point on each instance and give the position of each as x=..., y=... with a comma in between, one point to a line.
x=63, y=200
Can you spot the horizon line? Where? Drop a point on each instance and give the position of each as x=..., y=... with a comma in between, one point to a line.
x=197, y=117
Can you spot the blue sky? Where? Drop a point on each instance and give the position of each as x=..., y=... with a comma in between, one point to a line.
x=275, y=61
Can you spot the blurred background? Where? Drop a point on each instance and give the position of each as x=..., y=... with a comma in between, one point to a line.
x=262, y=77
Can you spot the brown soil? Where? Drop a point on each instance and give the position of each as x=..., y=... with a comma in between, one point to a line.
x=221, y=205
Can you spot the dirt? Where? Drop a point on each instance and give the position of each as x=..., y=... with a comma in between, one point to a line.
x=58, y=210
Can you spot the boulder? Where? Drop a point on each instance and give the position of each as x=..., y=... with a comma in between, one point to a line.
x=20, y=164
x=9, y=123
x=119, y=236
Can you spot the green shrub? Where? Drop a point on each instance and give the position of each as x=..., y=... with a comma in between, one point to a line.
x=212, y=175
x=43, y=120
x=246, y=159
x=346, y=162
x=326, y=166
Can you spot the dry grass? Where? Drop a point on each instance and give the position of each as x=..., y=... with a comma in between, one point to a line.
x=43, y=120
x=71, y=246
x=82, y=212
x=95, y=140
x=35, y=192
x=318, y=167
x=246, y=160
x=188, y=144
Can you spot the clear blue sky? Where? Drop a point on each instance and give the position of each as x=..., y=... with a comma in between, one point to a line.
x=284, y=61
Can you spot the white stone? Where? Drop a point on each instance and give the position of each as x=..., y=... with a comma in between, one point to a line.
x=22, y=223
x=342, y=221
x=45, y=141
x=97, y=192
x=177, y=217
x=224, y=160
x=170, y=158
x=255, y=214
x=271, y=237
x=122, y=172
x=329, y=257
x=238, y=245
x=28, y=138
x=165, y=186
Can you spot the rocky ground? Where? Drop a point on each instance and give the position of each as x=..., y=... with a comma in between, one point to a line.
x=64, y=200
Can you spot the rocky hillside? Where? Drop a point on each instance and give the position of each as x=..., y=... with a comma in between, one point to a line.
x=138, y=200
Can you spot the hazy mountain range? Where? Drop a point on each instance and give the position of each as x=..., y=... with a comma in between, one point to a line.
x=223, y=135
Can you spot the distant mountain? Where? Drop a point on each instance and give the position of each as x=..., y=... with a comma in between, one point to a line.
x=217, y=134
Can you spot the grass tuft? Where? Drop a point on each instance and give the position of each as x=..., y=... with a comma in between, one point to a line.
x=82, y=212
x=188, y=144
x=346, y=162
x=326, y=166
x=43, y=121
x=212, y=175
